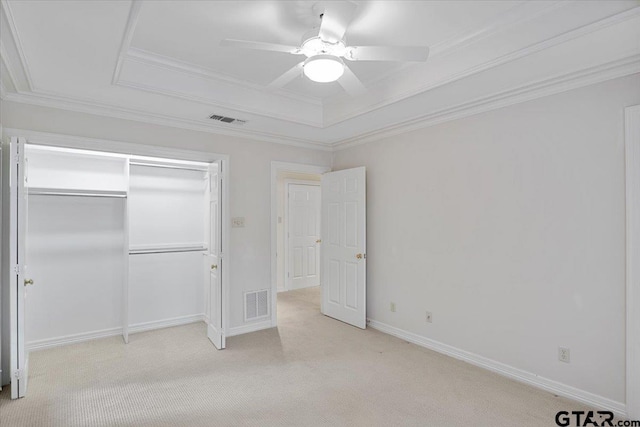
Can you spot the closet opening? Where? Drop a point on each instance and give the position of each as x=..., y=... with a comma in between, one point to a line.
x=112, y=244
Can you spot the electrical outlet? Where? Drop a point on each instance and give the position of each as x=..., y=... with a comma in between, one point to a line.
x=564, y=354
x=429, y=317
x=392, y=307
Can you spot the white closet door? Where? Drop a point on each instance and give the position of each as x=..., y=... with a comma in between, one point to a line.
x=343, y=246
x=214, y=261
x=19, y=282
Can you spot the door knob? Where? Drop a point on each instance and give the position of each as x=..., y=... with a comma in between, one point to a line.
x=359, y=256
x=28, y=282
x=319, y=241
x=214, y=266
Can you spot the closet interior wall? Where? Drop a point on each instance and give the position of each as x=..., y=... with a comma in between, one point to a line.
x=168, y=216
x=114, y=244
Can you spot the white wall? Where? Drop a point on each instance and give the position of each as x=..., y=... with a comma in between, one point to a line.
x=510, y=227
x=250, y=178
x=75, y=249
x=167, y=207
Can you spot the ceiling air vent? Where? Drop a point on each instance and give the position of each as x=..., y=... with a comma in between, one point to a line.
x=225, y=119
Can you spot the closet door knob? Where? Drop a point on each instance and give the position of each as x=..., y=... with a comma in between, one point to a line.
x=359, y=256
x=28, y=282
x=214, y=266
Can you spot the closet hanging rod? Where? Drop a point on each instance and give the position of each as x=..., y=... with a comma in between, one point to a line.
x=158, y=165
x=77, y=194
x=165, y=250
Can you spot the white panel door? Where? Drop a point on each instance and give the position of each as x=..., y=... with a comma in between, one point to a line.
x=213, y=261
x=19, y=281
x=344, y=246
x=303, y=251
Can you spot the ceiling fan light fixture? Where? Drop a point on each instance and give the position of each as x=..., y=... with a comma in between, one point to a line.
x=323, y=68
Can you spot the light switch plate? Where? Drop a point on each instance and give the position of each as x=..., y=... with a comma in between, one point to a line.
x=237, y=222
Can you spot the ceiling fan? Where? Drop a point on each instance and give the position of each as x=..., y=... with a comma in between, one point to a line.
x=325, y=48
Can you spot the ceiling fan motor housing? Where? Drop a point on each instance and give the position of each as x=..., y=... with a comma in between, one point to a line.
x=312, y=45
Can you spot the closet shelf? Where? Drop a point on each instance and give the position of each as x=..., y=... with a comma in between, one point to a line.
x=195, y=168
x=43, y=191
x=167, y=249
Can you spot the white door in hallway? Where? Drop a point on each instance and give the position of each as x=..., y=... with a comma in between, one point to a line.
x=303, y=240
x=19, y=281
x=214, y=263
x=344, y=246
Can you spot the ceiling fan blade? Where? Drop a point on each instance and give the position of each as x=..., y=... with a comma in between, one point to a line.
x=351, y=83
x=335, y=19
x=273, y=47
x=293, y=73
x=387, y=53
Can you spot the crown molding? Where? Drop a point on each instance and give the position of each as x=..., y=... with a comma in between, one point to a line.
x=517, y=95
x=516, y=15
x=113, y=146
x=208, y=101
x=11, y=47
x=172, y=64
x=127, y=37
x=536, y=47
x=11, y=55
x=3, y=91
x=97, y=108
x=17, y=43
x=6, y=62
x=558, y=84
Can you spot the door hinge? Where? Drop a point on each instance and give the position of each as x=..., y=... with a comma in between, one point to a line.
x=16, y=268
x=18, y=374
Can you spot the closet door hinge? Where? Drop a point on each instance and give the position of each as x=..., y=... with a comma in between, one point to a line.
x=16, y=268
x=18, y=374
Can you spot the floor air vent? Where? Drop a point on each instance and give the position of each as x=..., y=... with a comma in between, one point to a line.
x=256, y=304
x=225, y=119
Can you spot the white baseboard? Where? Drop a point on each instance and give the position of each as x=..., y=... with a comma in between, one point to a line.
x=166, y=323
x=298, y=288
x=520, y=375
x=88, y=336
x=251, y=327
x=72, y=339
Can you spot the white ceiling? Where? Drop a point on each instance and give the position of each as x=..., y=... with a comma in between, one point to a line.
x=160, y=61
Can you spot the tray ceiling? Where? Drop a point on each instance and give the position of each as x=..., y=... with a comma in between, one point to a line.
x=160, y=61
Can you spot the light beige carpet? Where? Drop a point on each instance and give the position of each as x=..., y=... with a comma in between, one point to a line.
x=311, y=371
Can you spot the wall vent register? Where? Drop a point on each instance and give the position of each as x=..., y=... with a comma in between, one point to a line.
x=256, y=304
